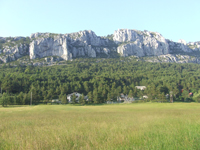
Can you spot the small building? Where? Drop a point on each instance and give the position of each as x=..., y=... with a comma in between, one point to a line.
x=69, y=97
x=141, y=87
x=121, y=98
x=56, y=101
x=86, y=98
x=109, y=102
x=145, y=96
x=129, y=99
x=124, y=98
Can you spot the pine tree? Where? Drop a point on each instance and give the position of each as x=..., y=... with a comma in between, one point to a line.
x=73, y=99
x=4, y=99
x=64, y=99
x=82, y=100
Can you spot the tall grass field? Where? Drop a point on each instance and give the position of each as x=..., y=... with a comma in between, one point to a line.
x=107, y=127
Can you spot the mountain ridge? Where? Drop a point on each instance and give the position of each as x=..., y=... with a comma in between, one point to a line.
x=124, y=42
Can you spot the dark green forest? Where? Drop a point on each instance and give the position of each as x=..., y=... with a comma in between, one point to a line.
x=100, y=79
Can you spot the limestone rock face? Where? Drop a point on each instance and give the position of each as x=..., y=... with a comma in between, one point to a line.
x=52, y=59
x=68, y=46
x=178, y=47
x=87, y=44
x=13, y=53
x=49, y=47
x=174, y=59
x=134, y=42
x=90, y=51
x=106, y=51
x=182, y=41
x=146, y=43
x=35, y=35
x=131, y=49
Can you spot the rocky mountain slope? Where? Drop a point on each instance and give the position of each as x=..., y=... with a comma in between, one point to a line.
x=123, y=42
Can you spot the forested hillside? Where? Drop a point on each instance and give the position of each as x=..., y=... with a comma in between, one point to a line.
x=100, y=79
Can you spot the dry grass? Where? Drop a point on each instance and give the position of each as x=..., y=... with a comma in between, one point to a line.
x=124, y=126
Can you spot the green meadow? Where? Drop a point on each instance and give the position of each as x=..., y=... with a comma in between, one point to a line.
x=108, y=127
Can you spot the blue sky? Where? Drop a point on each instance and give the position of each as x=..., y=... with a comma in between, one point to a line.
x=174, y=19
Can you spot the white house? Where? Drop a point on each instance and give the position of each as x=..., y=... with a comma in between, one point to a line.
x=145, y=96
x=141, y=87
x=69, y=96
x=125, y=98
x=55, y=101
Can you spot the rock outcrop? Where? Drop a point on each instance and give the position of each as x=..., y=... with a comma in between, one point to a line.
x=68, y=46
x=44, y=47
x=146, y=43
x=87, y=44
x=134, y=42
x=177, y=58
x=13, y=53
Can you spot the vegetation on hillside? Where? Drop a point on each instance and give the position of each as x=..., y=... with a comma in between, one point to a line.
x=100, y=79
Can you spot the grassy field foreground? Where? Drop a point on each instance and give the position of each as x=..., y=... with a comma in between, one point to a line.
x=123, y=126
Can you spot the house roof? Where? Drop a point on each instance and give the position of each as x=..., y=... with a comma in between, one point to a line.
x=73, y=93
x=141, y=87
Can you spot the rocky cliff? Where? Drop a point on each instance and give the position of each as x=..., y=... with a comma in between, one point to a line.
x=146, y=43
x=134, y=42
x=13, y=48
x=172, y=58
x=86, y=43
x=68, y=46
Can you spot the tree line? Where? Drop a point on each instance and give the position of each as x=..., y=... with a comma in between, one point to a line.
x=100, y=79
